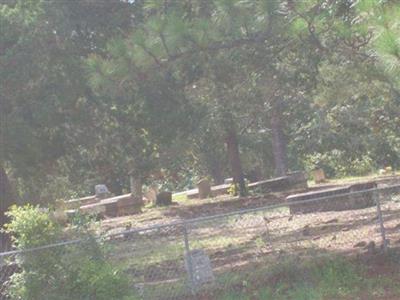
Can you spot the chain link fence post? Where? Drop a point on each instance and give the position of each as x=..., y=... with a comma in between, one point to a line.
x=380, y=219
x=188, y=259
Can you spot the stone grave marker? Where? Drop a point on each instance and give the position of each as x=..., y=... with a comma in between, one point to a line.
x=319, y=176
x=228, y=180
x=164, y=198
x=199, y=268
x=204, y=187
x=101, y=191
x=59, y=213
x=151, y=194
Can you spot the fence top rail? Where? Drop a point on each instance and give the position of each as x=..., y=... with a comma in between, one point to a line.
x=206, y=219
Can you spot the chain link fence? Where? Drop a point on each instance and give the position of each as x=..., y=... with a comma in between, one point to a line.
x=205, y=256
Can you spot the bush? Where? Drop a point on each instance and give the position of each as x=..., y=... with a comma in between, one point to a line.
x=233, y=189
x=338, y=163
x=77, y=271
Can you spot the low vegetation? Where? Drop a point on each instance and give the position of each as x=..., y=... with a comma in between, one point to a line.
x=79, y=271
x=324, y=278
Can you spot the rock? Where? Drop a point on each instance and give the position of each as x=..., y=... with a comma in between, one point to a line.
x=346, y=229
x=204, y=187
x=360, y=245
x=164, y=198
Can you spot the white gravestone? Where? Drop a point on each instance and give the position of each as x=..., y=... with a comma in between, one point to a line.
x=101, y=191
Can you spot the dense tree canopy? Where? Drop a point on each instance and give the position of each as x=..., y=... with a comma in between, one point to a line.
x=171, y=91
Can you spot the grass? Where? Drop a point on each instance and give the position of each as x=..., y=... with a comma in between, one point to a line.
x=318, y=279
x=158, y=262
x=179, y=198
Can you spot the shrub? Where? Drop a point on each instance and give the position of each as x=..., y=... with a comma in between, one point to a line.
x=233, y=189
x=338, y=163
x=76, y=271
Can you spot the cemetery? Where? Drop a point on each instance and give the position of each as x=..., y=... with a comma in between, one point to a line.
x=172, y=245
x=199, y=149
x=237, y=242
x=291, y=188
x=292, y=215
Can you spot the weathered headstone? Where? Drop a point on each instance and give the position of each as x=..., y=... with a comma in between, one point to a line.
x=319, y=175
x=101, y=191
x=151, y=194
x=204, y=187
x=164, y=198
x=228, y=180
x=297, y=180
x=59, y=212
x=199, y=268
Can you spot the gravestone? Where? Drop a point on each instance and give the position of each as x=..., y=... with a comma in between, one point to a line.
x=164, y=198
x=59, y=213
x=319, y=176
x=199, y=268
x=101, y=191
x=228, y=180
x=151, y=194
x=204, y=187
x=297, y=180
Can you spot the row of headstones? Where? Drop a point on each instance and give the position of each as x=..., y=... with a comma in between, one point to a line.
x=153, y=195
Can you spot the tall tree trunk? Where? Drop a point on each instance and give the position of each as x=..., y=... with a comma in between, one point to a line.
x=235, y=162
x=216, y=173
x=7, y=198
x=278, y=140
